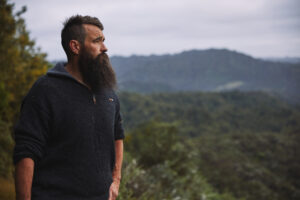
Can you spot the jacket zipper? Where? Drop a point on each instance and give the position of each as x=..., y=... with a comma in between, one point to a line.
x=94, y=99
x=96, y=142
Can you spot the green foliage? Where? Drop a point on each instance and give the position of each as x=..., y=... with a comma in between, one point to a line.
x=160, y=139
x=163, y=166
x=7, y=189
x=254, y=166
x=6, y=149
x=243, y=144
x=199, y=113
x=20, y=65
x=20, y=62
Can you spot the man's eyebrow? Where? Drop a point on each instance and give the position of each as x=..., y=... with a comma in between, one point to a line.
x=99, y=38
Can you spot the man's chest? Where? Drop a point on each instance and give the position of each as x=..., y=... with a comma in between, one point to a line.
x=83, y=114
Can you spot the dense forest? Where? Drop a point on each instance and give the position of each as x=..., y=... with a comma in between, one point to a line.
x=233, y=145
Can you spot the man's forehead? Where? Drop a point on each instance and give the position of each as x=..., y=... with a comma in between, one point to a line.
x=93, y=31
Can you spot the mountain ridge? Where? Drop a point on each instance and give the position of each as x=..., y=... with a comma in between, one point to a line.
x=206, y=70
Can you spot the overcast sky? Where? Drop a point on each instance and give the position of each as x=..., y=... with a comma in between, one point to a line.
x=260, y=28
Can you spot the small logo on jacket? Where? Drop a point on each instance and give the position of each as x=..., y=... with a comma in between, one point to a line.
x=111, y=99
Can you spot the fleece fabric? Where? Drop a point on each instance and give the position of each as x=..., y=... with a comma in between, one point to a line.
x=69, y=131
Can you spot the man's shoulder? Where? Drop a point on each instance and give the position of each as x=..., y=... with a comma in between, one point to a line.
x=41, y=84
x=40, y=88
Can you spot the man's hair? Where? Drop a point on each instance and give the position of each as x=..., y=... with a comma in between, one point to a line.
x=74, y=30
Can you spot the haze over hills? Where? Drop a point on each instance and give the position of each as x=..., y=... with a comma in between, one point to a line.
x=292, y=60
x=207, y=70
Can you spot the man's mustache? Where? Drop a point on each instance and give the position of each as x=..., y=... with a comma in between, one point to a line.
x=103, y=56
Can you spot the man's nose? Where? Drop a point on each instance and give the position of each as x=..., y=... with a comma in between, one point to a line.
x=103, y=48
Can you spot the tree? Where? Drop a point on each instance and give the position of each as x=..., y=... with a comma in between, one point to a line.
x=21, y=63
x=164, y=167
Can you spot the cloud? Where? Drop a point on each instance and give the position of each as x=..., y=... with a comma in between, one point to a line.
x=258, y=27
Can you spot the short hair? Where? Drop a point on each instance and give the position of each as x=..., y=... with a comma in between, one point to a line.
x=73, y=30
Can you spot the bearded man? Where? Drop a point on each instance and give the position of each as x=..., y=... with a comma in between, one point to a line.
x=69, y=138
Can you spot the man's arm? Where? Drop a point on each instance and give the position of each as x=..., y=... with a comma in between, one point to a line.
x=119, y=160
x=114, y=188
x=23, y=178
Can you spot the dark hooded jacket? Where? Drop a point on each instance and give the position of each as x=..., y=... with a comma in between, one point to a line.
x=69, y=132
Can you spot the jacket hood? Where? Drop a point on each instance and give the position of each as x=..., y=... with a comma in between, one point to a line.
x=60, y=70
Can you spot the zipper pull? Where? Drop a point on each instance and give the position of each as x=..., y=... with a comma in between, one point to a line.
x=94, y=99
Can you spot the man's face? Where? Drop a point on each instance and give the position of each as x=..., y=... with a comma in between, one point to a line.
x=93, y=62
x=94, y=40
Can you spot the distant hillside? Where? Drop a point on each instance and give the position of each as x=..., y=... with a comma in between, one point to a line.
x=200, y=113
x=207, y=70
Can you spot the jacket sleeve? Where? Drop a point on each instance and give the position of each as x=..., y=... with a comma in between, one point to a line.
x=32, y=130
x=119, y=130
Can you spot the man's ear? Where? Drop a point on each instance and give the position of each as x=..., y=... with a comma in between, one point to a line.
x=74, y=46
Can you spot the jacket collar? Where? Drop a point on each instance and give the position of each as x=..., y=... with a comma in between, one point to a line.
x=60, y=70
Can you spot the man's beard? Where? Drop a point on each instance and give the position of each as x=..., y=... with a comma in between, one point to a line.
x=97, y=72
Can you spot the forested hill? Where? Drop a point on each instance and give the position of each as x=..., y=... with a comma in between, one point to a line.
x=198, y=113
x=207, y=70
x=244, y=144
